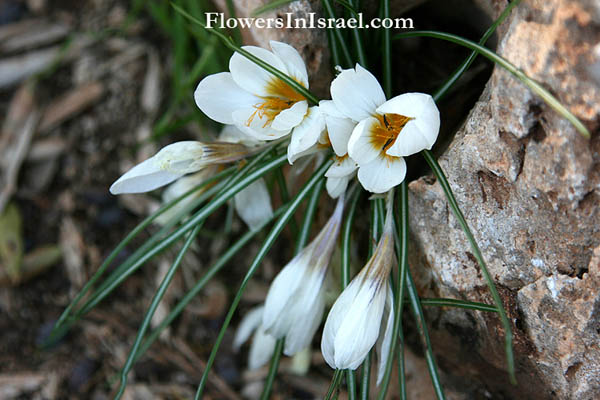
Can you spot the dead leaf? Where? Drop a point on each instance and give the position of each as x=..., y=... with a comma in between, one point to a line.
x=11, y=243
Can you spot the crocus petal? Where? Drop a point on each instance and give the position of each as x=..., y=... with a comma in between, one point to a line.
x=169, y=164
x=360, y=145
x=293, y=156
x=340, y=130
x=335, y=318
x=328, y=108
x=382, y=174
x=292, y=60
x=384, y=342
x=359, y=330
x=291, y=117
x=409, y=141
x=302, y=330
x=419, y=133
x=342, y=167
x=356, y=93
x=251, y=77
x=261, y=349
x=276, y=318
x=218, y=96
x=253, y=204
x=249, y=323
x=336, y=186
x=307, y=134
x=252, y=123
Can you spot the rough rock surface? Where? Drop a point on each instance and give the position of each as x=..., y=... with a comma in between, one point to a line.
x=528, y=184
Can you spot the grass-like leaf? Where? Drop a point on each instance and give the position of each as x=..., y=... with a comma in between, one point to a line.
x=469, y=305
x=345, y=264
x=402, y=228
x=422, y=324
x=441, y=177
x=343, y=46
x=153, y=305
x=266, y=393
x=443, y=90
x=270, y=239
x=529, y=82
x=210, y=273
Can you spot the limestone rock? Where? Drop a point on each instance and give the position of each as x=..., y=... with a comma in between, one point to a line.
x=528, y=184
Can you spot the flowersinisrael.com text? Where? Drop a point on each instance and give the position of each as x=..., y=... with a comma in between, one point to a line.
x=311, y=21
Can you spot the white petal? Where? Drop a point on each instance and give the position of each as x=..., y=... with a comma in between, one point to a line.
x=292, y=60
x=384, y=343
x=293, y=156
x=360, y=145
x=342, y=167
x=340, y=130
x=423, y=110
x=218, y=96
x=249, y=323
x=303, y=329
x=409, y=141
x=291, y=117
x=276, y=318
x=336, y=186
x=261, y=349
x=170, y=163
x=359, y=330
x=249, y=76
x=307, y=134
x=356, y=93
x=341, y=308
x=382, y=174
x=259, y=126
x=144, y=177
x=233, y=134
x=328, y=108
x=253, y=204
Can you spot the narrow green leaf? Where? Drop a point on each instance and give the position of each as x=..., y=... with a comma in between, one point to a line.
x=443, y=90
x=266, y=394
x=386, y=50
x=335, y=383
x=151, y=310
x=469, y=305
x=139, y=228
x=338, y=34
x=529, y=82
x=345, y=264
x=210, y=273
x=420, y=319
x=402, y=228
x=441, y=177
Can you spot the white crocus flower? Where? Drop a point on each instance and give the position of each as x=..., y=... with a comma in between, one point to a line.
x=357, y=317
x=339, y=130
x=255, y=100
x=296, y=299
x=262, y=345
x=174, y=161
x=386, y=130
